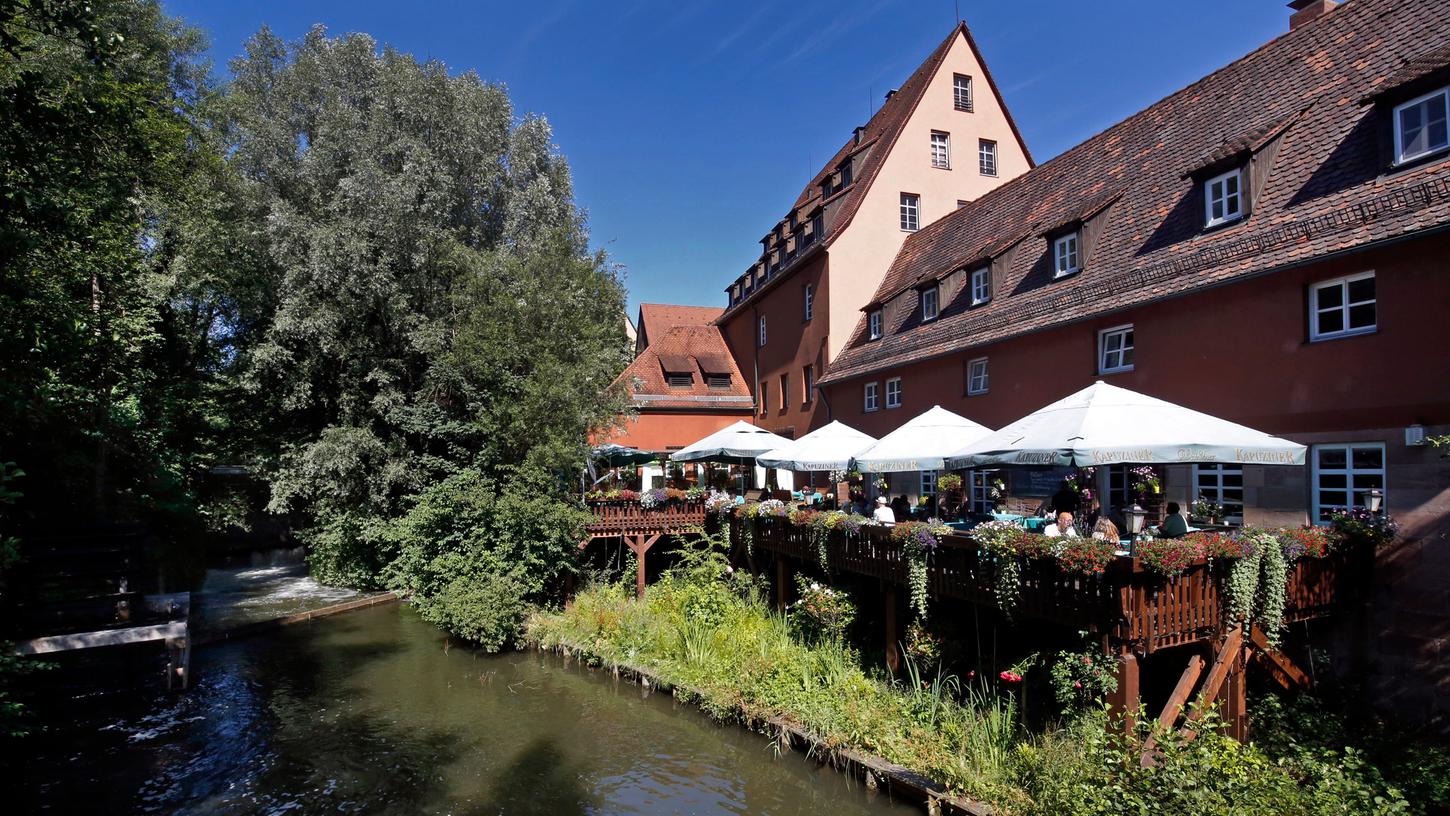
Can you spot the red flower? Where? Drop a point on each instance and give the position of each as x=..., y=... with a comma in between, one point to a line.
x=1010, y=677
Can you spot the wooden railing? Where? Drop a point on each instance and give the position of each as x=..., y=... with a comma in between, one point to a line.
x=628, y=518
x=1136, y=607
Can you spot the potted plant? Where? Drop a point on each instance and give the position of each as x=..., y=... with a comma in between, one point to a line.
x=1206, y=510
x=1146, y=480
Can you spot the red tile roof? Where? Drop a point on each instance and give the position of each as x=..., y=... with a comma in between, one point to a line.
x=682, y=340
x=1327, y=190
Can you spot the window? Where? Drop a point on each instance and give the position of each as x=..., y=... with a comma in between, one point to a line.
x=893, y=392
x=928, y=485
x=718, y=380
x=1342, y=474
x=982, y=490
x=987, y=157
x=764, y=398
x=869, y=397
x=941, y=150
x=1064, y=253
x=784, y=391
x=1222, y=484
x=929, y=298
x=873, y=325
x=1421, y=127
x=977, y=377
x=1342, y=307
x=808, y=379
x=910, y=212
x=762, y=330
x=808, y=297
x=1115, y=350
x=1223, y=199
x=681, y=380
x=981, y=286
x=962, y=92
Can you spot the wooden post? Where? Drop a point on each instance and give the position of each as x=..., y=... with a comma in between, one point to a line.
x=178, y=663
x=1124, y=701
x=1233, y=700
x=782, y=583
x=639, y=551
x=893, y=652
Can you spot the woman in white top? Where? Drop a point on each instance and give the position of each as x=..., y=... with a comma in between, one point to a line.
x=883, y=512
x=1062, y=528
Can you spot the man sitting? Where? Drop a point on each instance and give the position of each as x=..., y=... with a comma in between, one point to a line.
x=883, y=512
x=1062, y=528
x=1174, y=524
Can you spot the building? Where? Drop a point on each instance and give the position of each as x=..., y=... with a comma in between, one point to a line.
x=683, y=382
x=1270, y=245
x=944, y=139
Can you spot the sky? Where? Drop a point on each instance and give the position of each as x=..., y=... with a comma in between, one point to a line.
x=691, y=126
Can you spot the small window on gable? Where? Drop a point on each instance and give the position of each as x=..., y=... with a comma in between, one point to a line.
x=718, y=381
x=910, y=212
x=869, y=397
x=873, y=325
x=1223, y=198
x=981, y=285
x=987, y=157
x=977, y=377
x=941, y=150
x=1422, y=126
x=962, y=92
x=929, y=300
x=1065, y=255
x=681, y=380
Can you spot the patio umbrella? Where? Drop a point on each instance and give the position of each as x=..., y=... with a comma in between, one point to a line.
x=620, y=456
x=1105, y=425
x=921, y=442
x=829, y=448
x=738, y=444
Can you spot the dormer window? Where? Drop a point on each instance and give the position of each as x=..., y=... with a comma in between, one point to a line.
x=981, y=285
x=1421, y=126
x=1065, y=255
x=929, y=299
x=1223, y=198
x=873, y=325
x=681, y=380
x=718, y=381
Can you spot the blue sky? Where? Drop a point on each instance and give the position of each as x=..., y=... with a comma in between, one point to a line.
x=691, y=126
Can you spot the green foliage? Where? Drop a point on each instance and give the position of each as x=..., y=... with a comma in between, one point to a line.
x=1082, y=679
x=821, y=614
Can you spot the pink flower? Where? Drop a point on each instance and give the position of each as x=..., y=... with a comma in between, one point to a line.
x=1011, y=677
x=1077, y=684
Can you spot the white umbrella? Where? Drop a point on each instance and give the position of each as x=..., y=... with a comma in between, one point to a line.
x=739, y=441
x=921, y=443
x=829, y=448
x=1104, y=425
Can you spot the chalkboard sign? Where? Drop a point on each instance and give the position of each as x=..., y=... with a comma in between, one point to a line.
x=1037, y=481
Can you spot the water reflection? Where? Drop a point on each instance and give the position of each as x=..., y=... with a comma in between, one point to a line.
x=372, y=712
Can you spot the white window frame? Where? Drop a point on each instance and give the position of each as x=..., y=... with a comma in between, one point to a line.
x=873, y=324
x=1400, y=156
x=1344, y=306
x=1209, y=198
x=987, y=157
x=810, y=301
x=761, y=339
x=893, y=395
x=981, y=282
x=1349, y=471
x=928, y=486
x=1066, y=249
x=910, y=212
x=962, y=92
x=941, y=150
x=930, y=297
x=871, y=397
x=1208, y=482
x=979, y=483
x=978, y=377
x=1127, y=346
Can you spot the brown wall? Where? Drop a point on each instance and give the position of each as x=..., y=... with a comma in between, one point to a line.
x=662, y=431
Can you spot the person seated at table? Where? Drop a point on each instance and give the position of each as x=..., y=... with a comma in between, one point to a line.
x=1105, y=530
x=1174, y=524
x=1062, y=528
x=883, y=513
x=901, y=506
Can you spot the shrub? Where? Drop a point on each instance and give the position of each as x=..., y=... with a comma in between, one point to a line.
x=822, y=614
x=1081, y=679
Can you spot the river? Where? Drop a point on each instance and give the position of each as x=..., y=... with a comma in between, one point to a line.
x=373, y=712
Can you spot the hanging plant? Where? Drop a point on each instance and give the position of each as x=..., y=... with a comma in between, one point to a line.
x=917, y=540
x=1273, y=583
x=1001, y=543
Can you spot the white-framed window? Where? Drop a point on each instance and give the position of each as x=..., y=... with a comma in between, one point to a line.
x=870, y=396
x=929, y=303
x=941, y=149
x=1224, y=485
x=977, y=382
x=987, y=157
x=1342, y=307
x=1065, y=256
x=873, y=325
x=1223, y=199
x=928, y=485
x=762, y=330
x=962, y=92
x=893, y=392
x=981, y=285
x=808, y=380
x=1422, y=126
x=910, y=212
x=980, y=486
x=808, y=296
x=1343, y=473
x=1115, y=349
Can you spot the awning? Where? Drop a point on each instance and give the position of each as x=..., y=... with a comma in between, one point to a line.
x=829, y=448
x=921, y=443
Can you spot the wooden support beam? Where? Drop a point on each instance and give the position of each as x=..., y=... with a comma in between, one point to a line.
x=1281, y=667
x=1233, y=700
x=1186, y=682
x=1223, y=663
x=640, y=548
x=893, y=633
x=108, y=637
x=1123, y=702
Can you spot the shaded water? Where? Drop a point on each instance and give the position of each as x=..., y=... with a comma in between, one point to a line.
x=371, y=712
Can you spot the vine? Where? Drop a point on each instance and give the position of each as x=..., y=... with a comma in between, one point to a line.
x=1273, y=580
x=917, y=541
x=1243, y=585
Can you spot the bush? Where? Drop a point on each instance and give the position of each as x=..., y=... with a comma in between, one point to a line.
x=485, y=609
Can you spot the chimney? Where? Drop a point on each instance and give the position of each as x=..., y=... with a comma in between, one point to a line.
x=1307, y=11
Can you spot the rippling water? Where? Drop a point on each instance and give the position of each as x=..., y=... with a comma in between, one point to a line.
x=263, y=585
x=372, y=712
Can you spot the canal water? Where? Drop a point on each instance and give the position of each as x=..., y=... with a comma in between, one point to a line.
x=374, y=712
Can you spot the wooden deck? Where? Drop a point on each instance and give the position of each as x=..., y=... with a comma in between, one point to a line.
x=639, y=529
